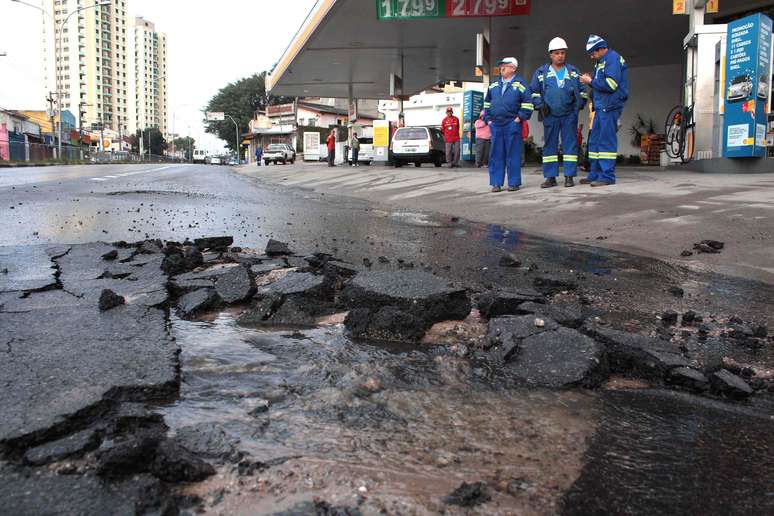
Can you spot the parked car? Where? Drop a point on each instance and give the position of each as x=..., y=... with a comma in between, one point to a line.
x=418, y=145
x=279, y=153
x=214, y=160
x=199, y=156
x=740, y=89
x=366, y=154
x=233, y=162
x=763, y=88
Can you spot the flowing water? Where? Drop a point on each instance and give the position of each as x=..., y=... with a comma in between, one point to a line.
x=395, y=429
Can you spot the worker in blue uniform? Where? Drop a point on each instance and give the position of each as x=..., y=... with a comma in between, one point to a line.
x=508, y=103
x=558, y=96
x=609, y=93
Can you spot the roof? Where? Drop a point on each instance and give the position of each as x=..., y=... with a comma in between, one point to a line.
x=333, y=110
x=343, y=45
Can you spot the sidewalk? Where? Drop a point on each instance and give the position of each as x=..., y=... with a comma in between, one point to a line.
x=650, y=211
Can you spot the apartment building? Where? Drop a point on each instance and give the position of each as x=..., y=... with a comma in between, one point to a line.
x=91, y=67
x=148, y=77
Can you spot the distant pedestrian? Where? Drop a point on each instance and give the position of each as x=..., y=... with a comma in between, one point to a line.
x=331, y=141
x=451, y=135
x=355, y=149
x=483, y=141
x=258, y=154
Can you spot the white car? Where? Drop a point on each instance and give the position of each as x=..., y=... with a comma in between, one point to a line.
x=279, y=153
x=418, y=145
x=740, y=89
x=215, y=161
x=763, y=88
x=366, y=153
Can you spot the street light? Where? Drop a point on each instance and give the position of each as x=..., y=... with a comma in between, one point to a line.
x=236, y=149
x=58, y=55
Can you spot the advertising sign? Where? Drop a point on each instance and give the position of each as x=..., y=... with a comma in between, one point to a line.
x=748, y=85
x=413, y=9
x=472, y=104
x=281, y=109
x=214, y=116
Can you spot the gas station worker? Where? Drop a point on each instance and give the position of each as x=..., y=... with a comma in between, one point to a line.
x=558, y=95
x=610, y=90
x=508, y=103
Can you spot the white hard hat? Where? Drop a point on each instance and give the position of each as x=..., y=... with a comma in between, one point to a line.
x=509, y=61
x=557, y=44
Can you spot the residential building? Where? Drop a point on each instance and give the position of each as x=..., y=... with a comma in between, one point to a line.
x=91, y=66
x=148, y=98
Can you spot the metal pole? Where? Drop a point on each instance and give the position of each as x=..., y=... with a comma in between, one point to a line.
x=236, y=126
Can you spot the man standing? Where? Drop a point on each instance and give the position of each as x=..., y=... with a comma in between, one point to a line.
x=258, y=154
x=483, y=137
x=507, y=104
x=610, y=91
x=559, y=95
x=451, y=135
x=331, y=143
x=355, y=149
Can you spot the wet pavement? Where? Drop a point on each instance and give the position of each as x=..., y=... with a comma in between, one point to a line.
x=294, y=418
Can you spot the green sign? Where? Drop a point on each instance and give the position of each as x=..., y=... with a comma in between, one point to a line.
x=409, y=9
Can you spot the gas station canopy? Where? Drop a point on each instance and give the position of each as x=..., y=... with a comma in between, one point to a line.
x=343, y=43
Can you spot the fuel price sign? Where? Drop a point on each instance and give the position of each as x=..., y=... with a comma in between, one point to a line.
x=473, y=8
x=410, y=9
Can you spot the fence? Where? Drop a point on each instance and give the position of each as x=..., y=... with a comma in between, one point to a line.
x=15, y=150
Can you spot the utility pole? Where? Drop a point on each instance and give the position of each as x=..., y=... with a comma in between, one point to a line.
x=236, y=126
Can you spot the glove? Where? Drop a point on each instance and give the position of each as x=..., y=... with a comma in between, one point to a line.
x=545, y=110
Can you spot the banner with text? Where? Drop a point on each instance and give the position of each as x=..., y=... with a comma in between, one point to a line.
x=417, y=9
x=748, y=85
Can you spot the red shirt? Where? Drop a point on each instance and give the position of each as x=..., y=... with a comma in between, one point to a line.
x=331, y=142
x=451, y=129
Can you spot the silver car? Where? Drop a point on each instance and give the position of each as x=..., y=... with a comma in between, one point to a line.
x=740, y=89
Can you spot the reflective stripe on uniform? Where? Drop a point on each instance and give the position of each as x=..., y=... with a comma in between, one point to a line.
x=487, y=105
x=570, y=157
x=520, y=86
x=537, y=95
x=494, y=85
x=527, y=105
x=611, y=82
x=593, y=155
x=550, y=159
x=607, y=155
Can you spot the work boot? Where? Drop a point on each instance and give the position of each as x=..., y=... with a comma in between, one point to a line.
x=568, y=182
x=585, y=181
x=600, y=183
x=496, y=189
x=548, y=183
x=513, y=188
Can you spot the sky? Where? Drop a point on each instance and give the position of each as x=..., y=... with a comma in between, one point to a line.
x=209, y=44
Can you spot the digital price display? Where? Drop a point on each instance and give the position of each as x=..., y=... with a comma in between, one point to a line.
x=414, y=9
x=473, y=8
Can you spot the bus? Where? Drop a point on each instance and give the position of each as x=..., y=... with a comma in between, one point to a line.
x=200, y=156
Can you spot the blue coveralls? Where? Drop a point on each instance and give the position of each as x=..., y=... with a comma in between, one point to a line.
x=563, y=104
x=502, y=108
x=610, y=90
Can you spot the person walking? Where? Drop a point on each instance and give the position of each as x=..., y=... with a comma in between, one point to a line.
x=483, y=141
x=508, y=103
x=451, y=135
x=331, y=143
x=355, y=149
x=610, y=91
x=258, y=155
x=558, y=96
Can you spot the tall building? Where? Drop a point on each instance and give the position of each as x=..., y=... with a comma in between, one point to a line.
x=148, y=77
x=91, y=64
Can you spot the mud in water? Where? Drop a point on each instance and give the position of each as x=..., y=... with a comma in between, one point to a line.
x=315, y=416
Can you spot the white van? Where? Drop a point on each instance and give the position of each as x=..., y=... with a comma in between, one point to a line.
x=418, y=145
x=200, y=156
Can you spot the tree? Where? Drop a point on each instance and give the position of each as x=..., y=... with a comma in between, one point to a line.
x=157, y=142
x=185, y=145
x=241, y=100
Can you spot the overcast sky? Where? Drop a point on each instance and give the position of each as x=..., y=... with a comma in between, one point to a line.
x=210, y=43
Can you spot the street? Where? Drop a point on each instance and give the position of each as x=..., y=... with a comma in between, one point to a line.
x=298, y=412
